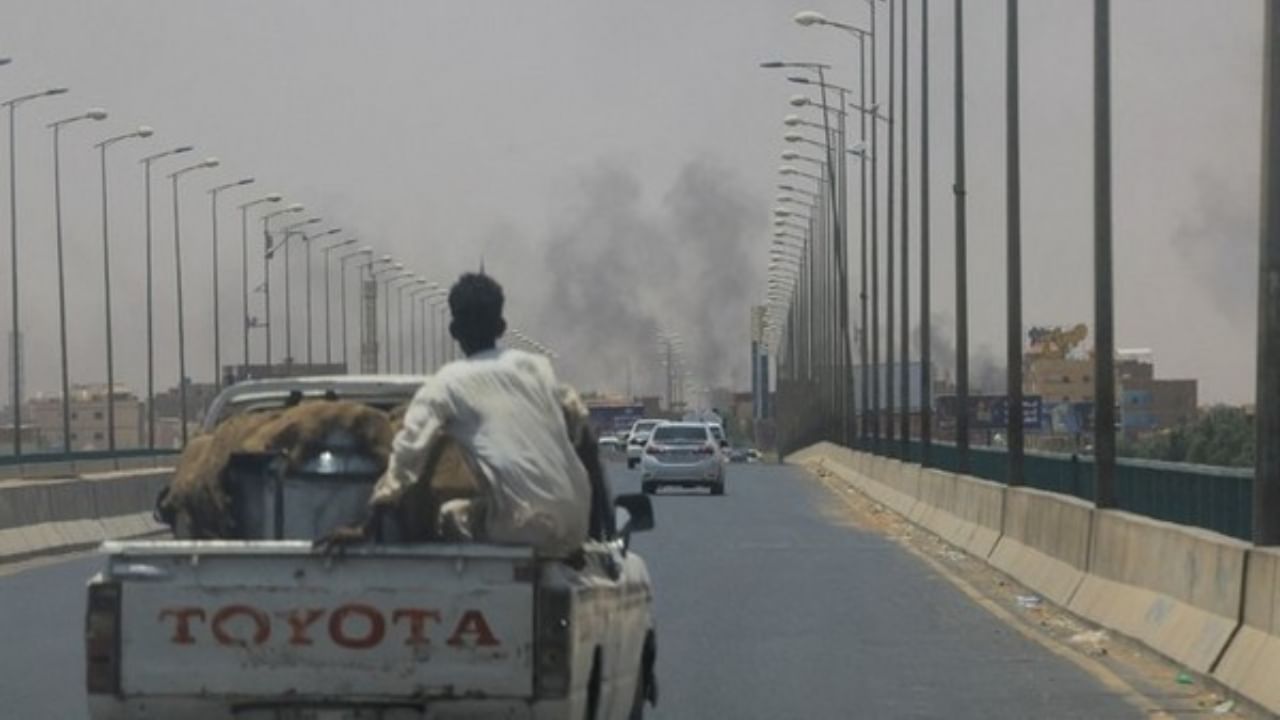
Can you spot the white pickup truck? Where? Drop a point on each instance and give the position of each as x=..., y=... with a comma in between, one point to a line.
x=268, y=628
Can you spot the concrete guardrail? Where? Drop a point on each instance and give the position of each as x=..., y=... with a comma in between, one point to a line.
x=45, y=517
x=1205, y=600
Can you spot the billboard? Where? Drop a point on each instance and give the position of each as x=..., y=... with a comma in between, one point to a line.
x=991, y=412
x=613, y=419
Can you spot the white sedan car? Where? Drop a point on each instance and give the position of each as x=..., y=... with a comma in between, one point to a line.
x=686, y=454
x=636, y=439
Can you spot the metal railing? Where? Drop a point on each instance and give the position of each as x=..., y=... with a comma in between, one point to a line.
x=43, y=466
x=1213, y=498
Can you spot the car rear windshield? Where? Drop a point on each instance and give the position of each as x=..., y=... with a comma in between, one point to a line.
x=644, y=426
x=680, y=433
x=717, y=431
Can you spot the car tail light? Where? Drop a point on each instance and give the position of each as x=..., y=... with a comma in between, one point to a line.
x=102, y=639
x=653, y=450
x=706, y=450
x=554, y=646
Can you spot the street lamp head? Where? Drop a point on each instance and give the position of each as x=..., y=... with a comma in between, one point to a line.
x=5, y=60
x=296, y=207
x=800, y=80
x=96, y=114
x=792, y=120
x=244, y=181
x=273, y=197
x=808, y=18
x=366, y=249
x=773, y=64
x=55, y=91
x=210, y=162
x=386, y=259
x=793, y=137
x=788, y=170
x=144, y=131
x=798, y=100
x=182, y=149
x=790, y=155
x=781, y=212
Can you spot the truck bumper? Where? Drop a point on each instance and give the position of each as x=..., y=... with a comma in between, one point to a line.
x=111, y=708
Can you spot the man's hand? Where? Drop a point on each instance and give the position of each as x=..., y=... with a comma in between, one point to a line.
x=337, y=542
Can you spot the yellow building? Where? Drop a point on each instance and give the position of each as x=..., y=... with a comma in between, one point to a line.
x=1060, y=380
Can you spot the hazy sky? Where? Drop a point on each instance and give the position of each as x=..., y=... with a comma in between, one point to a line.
x=621, y=157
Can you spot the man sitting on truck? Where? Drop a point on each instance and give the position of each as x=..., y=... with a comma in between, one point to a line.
x=506, y=410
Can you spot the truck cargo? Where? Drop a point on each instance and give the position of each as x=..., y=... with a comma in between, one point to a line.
x=266, y=626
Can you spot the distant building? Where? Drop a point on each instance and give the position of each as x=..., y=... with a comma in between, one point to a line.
x=1060, y=380
x=168, y=404
x=1147, y=403
x=88, y=418
x=31, y=439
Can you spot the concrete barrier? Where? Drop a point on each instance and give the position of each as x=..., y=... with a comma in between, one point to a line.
x=1176, y=589
x=44, y=517
x=1251, y=664
x=1045, y=543
x=962, y=510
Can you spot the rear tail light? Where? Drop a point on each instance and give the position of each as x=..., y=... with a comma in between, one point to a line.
x=554, y=635
x=102, y=639
x=706, y=450
x=653, y=450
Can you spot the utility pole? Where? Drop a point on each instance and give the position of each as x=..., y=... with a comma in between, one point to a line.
x=905, y=310
x=1104, y=376
x=962, y=273
x=1013, y=252
x=888, y=247
x=875, y=242
x=926, y=367
x=1266, y=479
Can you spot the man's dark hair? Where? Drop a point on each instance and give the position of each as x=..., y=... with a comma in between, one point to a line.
x=475, y=301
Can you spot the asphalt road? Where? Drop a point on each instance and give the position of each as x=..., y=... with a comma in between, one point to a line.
x=766, y=609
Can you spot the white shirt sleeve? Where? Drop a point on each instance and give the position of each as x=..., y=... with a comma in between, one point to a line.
x=424, y=422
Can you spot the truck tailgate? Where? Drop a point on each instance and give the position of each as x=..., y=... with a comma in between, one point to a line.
x=276, y=620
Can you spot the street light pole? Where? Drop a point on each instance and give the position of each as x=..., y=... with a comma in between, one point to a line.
x=1104, y=376
x=267, y=252
x=177, y=259
x=141, y=132
x=890, y=356
x=926, y=359
x=306, y=243
x=217, y=327
x=1266, y=480
x=342, y=284
x=16, y=366
x=95, y=114
x=1013, y=252
x=962, y=273
x=151, y=374
x=244, y=266
x=905, y=310
x=328, y=321
x=289, y=232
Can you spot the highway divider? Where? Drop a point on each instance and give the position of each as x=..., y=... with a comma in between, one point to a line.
x=1205, y=600
x=47, y=517
x=1251, y=663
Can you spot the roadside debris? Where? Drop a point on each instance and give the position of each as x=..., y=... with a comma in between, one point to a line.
x=1029, y=602
x=1224, y=707
x=1184, y=678
x=1093, y=641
